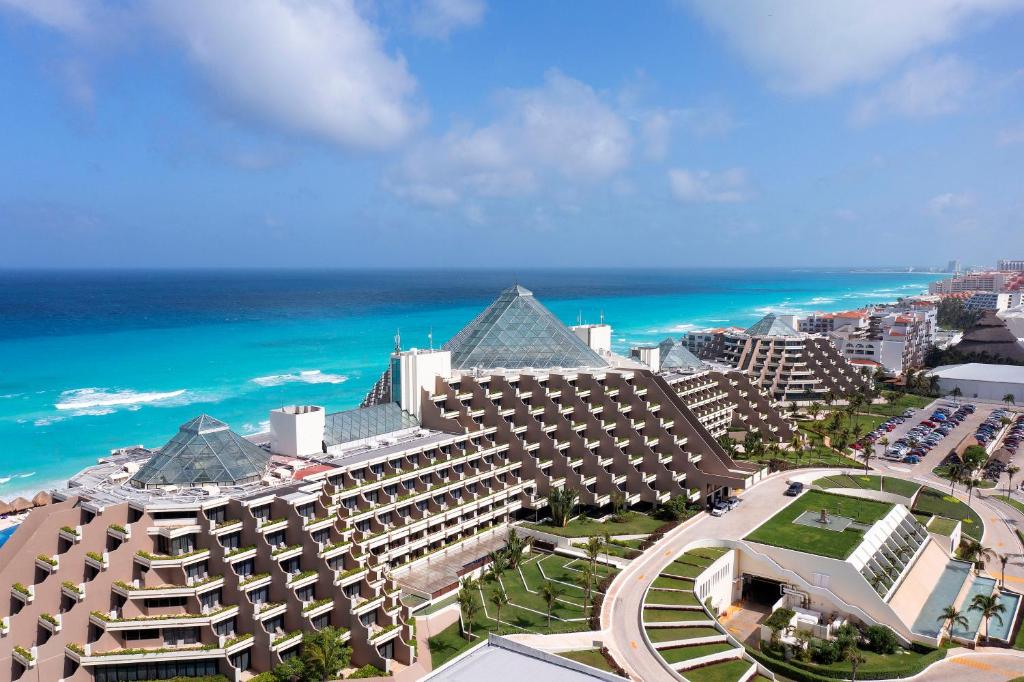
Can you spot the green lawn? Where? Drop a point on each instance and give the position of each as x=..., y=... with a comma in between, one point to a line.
x=450, y=642
x=943, y=472
x=936, y=502
x=673, y=615
x=635, y=523
x=942, y=525
x=677, y=568
x=780, y=531
x=1010, y=501
x=888, y=484
x=686, y=653
x=672, y=583
x=438, y=605
x=627, y=549
x=591, y=657
x=880, y=662
x=659, y=635
x=726, y=671
x=899, y=406
x=663, y=598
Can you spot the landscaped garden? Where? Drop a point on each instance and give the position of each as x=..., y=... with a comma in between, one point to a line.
x=887, y=484
x=782, y=530
x=546, y=594
x=898, y=403
x=936, y=503
x=630, y=523
x=592, y=657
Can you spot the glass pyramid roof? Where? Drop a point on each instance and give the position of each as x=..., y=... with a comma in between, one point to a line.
x=676, y=356
x=367, y=422
x=517, y=331
x=770, y=325
x=203, y=452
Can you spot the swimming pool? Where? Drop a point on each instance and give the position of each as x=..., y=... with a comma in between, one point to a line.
x=980, y=586
x=6, y=533
x=953, y=578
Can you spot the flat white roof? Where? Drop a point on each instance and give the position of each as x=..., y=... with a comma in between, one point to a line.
x=976, y=371
x=502, y=659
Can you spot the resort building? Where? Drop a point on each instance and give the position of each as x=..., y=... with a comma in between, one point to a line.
x=893, y=338
x=994, y=281
x=990, y=300
x=215, y=552
x=789, y=365
x=1010, y=265
x=990, y=339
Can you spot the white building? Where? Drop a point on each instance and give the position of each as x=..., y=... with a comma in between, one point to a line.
x=991, y=300
x=984, y=382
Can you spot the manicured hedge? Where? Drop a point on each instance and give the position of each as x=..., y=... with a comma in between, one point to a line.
x=808, y=672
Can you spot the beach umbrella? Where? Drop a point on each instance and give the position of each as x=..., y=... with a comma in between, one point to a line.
x=42, y=498
x=20, y=504
x=5, y=508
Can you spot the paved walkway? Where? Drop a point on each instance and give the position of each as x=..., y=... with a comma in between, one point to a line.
x=426, y=627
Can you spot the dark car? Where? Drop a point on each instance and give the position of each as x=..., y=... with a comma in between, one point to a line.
x=794, y=489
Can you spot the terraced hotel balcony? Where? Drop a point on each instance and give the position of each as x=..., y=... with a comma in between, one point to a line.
x=113, y=621
x=135, y=590
x=150, y=560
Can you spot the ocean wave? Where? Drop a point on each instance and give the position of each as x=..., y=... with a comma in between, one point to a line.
x=249, y=428
x=309, y=376
x=7, y=478
x=11, y=395
x=92, y=401
x=46, y=421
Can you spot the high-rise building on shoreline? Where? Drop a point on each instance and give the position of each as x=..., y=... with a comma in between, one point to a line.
x=214, y=553
x=789, y=365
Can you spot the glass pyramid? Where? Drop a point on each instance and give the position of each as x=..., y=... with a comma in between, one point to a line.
x=203, y=452
x=367, y=422
x=770, y=325
x=516, y=331
x=678, y=357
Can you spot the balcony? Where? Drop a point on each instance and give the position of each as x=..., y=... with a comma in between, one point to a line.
x=84, y=655
x=134, y=590
x=23, y=593
x=239, y=554
x=51, y=622
x=73, y=591
x=113, y=621
x=72, y=534
x=285, y=641
x=50, y=564
x=286, y=552
x=27, y=657
x=119, y=532
x=99, y=561
x=253, y=581
x=150, y=560
x=271, y=525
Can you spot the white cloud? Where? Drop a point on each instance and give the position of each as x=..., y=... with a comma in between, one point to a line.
x=950, y=202
x=1011, y=135
x=657, y=126
x=931, y=88
x=815, y=46
x=314, y=68
x=439, y=18
x=563, y=129
x=701, y=186
x=69, y=16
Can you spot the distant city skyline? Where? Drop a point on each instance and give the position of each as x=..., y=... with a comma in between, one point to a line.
x=448, y=133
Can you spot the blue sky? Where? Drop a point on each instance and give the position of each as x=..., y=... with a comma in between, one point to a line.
x=474, y=132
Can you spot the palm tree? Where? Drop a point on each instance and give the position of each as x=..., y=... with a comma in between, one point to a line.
x=956, y=393
x=562, y=502
x=1011, y=471
x=1009, y=399
x=975, y=552
x=866, y=453
x=467, y=607
x=1003, y=560
x=951, y=617
x=972, y=483
x=550, y=593
x=856, y=660
x=515, y=546
x=990, y=607
x=814, y=409
x=933, y=384
x=470, y=610
x=324, y=654
x=877, y=579
x=586, y=581
x=499, y=598
x=497, y=558
x=830, y=398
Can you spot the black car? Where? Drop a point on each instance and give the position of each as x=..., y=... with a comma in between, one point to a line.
x=794, y=489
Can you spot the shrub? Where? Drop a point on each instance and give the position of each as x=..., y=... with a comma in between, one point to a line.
x=882, y=640
x=263, y=677
x=826, y=653
x=368, y=670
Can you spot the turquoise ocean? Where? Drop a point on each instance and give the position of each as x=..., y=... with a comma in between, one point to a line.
x=91, y=361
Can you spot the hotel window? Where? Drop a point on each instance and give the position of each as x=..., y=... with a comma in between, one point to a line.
x=244, y=569
x=217, y=515
x=322, y=536
x=158, y=602
x=231, y=541
x=139, y=635
x=377, y=468
x=385, y=518
x=369, y=618
x=197, y=571
x=363, y=526
x=306, y=511
x=307, y=593
x=274, y=624
x=260, y=595
x=322, y=621
x=210, y=600
x=390, y=489
x=410, y=484
x=349, y=503
x=372, y=496
x=225, y=627
x=262, y=512
x=387, y=649
x=292, y=565
x=352, y=590
x=277, y=538
x=179, y=636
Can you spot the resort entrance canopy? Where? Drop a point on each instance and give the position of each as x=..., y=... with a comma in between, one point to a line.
x=203, y=452
x=517, y=331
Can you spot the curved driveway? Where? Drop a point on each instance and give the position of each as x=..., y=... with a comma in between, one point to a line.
x=622, y=606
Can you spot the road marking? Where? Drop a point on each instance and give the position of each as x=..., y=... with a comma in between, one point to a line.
x=640, y=577
x=632, y=643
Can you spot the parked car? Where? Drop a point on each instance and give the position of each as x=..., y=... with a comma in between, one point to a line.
x=719, y=509
x=794, y=489
x=732, y=502
x=911, y=459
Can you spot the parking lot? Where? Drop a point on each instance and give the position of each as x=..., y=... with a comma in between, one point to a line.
x=960, y=437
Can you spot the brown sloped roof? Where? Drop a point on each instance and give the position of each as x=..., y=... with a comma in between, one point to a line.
x=19, y=504
x=990, y=335
x=5, y=508
x=41, y=498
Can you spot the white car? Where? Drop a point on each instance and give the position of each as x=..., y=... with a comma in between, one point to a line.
x=719, y=509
